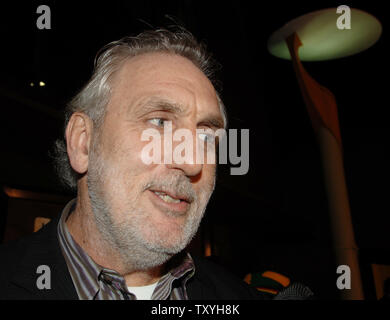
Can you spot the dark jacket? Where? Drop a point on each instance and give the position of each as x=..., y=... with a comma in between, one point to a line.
x=20, y=259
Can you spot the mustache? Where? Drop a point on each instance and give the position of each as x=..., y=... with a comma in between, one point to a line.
x=177, y=184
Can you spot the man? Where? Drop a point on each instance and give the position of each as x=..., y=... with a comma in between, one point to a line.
x=124, y=236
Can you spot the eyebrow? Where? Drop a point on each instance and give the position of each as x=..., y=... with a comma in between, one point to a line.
x=159, y=104
x=213, y=122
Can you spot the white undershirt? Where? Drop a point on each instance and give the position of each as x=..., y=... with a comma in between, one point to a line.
x=144, y=292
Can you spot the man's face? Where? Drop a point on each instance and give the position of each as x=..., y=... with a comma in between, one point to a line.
x=150, y=212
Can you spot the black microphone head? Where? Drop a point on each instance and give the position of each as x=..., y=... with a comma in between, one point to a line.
x=295, y=291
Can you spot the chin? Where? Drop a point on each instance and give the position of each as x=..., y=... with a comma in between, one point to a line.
x=171, y=245
x=167, y=241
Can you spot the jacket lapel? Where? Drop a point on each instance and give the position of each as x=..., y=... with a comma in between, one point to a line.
x=200, y=287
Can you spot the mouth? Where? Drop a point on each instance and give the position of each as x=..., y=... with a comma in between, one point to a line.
x=168, y=200
x=170, y=197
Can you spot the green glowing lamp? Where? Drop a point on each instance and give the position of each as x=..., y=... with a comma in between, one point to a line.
x=324, y=36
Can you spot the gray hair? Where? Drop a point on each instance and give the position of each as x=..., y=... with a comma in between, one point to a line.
x=95, y=95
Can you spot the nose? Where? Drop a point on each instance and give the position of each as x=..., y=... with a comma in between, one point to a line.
x=186, y=151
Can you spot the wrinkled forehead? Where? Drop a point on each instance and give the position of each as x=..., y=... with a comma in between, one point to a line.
x=167, y=75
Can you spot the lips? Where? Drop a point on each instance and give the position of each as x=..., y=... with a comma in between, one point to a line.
x=166, y=197
x=170, y=197
x=169, y=201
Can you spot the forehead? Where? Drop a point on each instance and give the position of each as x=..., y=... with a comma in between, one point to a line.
x=162, y=74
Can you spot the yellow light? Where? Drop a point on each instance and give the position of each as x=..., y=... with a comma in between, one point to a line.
x=31, y=84
x=207, y=250
x=41, y=84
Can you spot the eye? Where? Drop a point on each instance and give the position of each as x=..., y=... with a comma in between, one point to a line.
x=158, y=122
x=207, y=137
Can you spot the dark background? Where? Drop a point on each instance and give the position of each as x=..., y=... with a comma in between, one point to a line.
x=275, y=217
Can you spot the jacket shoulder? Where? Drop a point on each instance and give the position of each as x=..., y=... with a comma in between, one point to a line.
x=20, y=260
x=12, y=253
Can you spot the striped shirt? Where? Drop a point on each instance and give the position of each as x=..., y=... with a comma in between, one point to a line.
x=94, y=282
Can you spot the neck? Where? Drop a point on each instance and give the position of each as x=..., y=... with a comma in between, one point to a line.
x=82, y=226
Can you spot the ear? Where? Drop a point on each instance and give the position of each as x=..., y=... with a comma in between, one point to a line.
x=78, y=135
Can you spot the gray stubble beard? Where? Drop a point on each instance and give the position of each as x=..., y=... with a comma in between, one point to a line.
x=126, y=238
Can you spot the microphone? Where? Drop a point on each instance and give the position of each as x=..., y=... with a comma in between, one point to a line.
x=296, y=291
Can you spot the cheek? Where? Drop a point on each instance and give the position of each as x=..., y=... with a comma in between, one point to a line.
x=206, y=183
x=126, y=151
x=209, y=171
x=129, y=173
